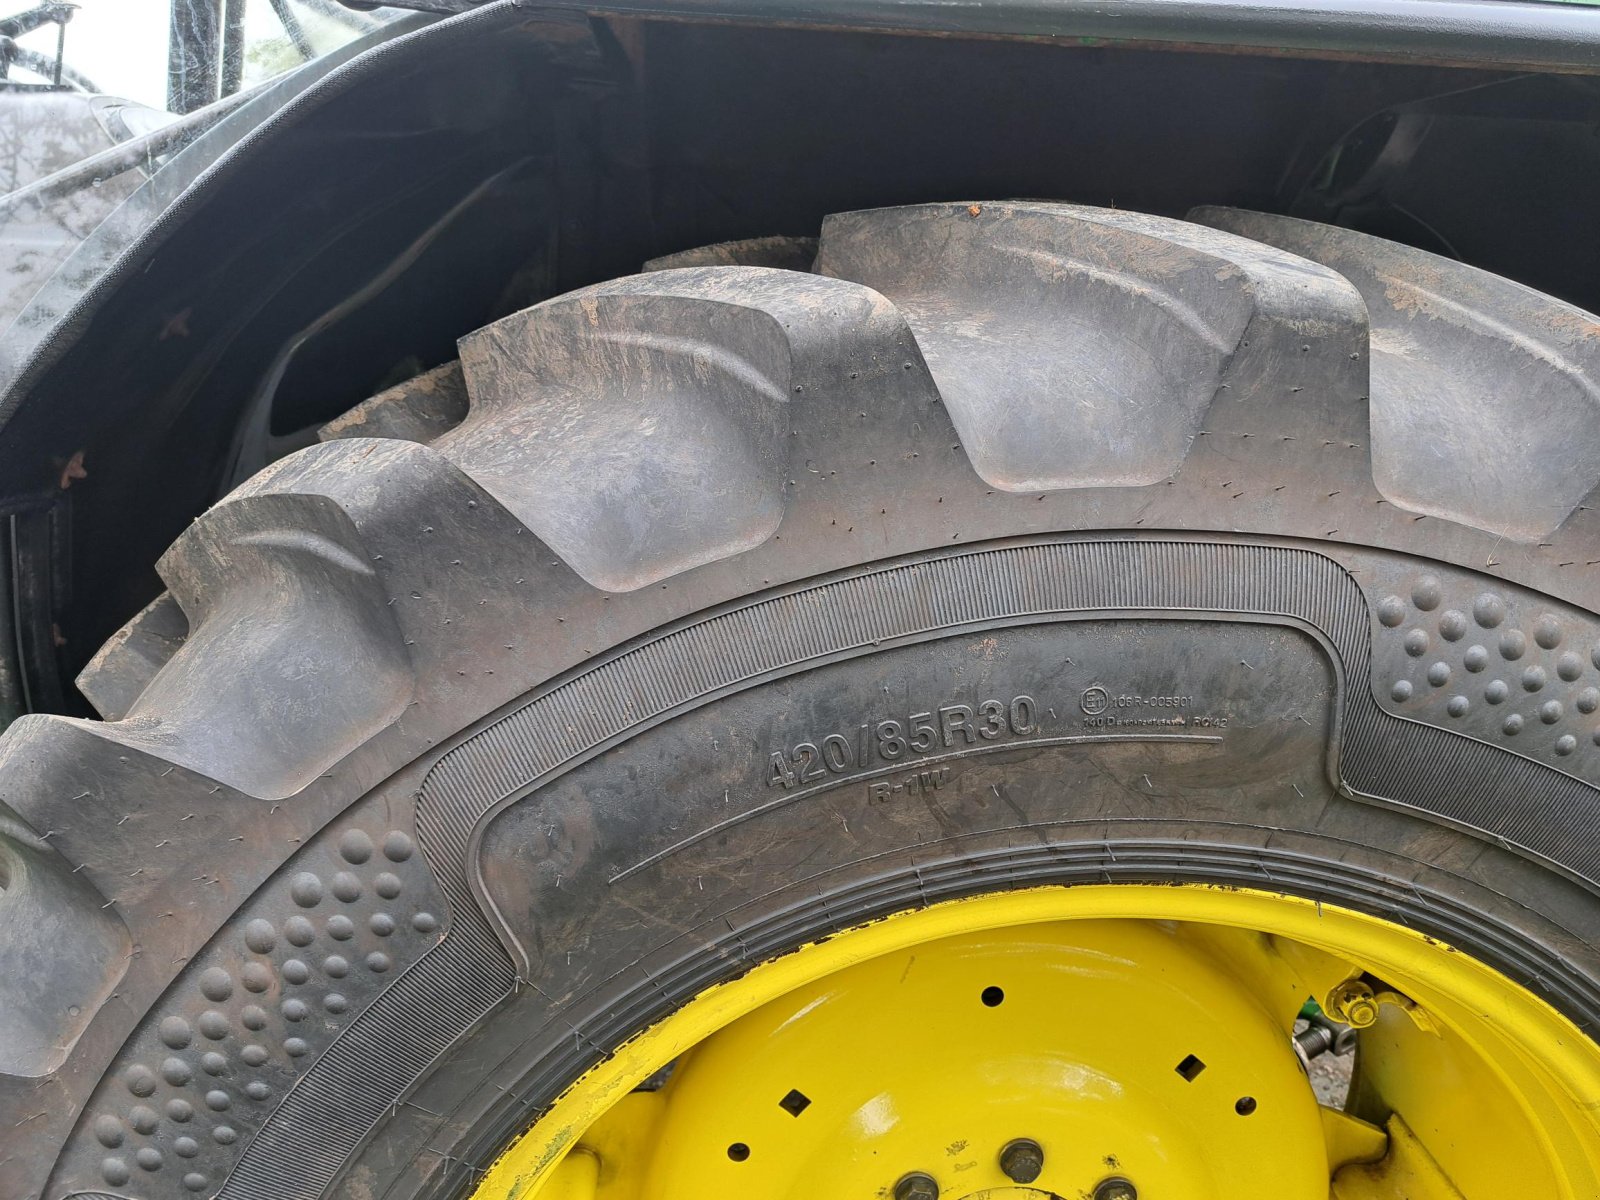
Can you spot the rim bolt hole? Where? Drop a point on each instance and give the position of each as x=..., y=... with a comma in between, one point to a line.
x=1244, y=1105
x=1190, y=1068
x=738, y=1152
x=992, y=996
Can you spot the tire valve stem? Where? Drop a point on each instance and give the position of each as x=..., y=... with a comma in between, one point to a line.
x=1352, y=1002
x=916, y=1185
x=1022, y=1160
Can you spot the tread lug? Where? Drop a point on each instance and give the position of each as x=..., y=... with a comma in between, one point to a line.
x=63, y=950
x=418, y=410
x=641, y=427
x=785, y=253
x=1081, y=347
x=285, y=583
x=125, y=665
x=1461, y=358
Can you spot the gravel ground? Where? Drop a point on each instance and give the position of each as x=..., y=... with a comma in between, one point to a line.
x=1330, y=1075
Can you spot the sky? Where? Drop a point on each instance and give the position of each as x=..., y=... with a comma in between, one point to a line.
x=122, y=44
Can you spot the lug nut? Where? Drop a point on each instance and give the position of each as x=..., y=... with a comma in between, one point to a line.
x=1115, y=1188
x=1022, y=1160
x=916, y=1186
x=1353, y=1003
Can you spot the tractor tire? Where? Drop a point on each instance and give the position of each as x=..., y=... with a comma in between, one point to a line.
x=728, y=606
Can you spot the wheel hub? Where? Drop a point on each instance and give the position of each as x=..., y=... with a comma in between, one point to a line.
x=1132, y=1041
x=936, y=1059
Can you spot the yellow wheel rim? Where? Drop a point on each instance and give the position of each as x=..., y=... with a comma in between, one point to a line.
x=1127, y=1042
